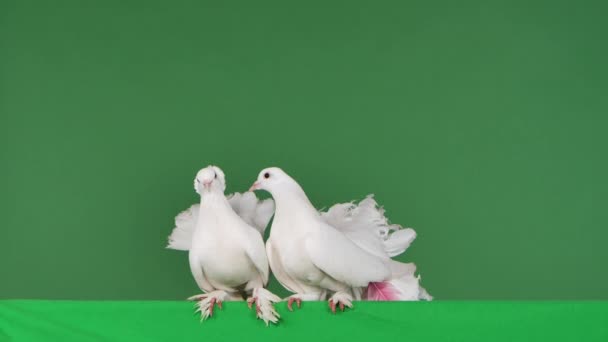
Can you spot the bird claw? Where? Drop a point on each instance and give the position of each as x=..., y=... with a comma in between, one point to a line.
x=290, y=303
x=341, y=300
x=332, y=306
x=206, y=303
x=250, y=302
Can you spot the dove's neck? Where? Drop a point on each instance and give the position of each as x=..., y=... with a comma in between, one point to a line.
x=214, y=199
x=292, y=200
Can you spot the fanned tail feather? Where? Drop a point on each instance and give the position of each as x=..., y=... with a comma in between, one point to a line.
x=365, y=224
x=399, y=240
x=185, y=223
x=255, y=212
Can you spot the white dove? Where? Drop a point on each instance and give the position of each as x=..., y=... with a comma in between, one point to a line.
x=227, y=255
x=344, y=252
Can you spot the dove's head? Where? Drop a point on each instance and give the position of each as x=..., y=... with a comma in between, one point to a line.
x=272, y=179
x=210, y=179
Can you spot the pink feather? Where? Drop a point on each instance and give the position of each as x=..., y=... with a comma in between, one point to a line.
x=383, y=291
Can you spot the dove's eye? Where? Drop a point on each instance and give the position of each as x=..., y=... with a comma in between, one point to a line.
x=215, y=176
x=267, y=175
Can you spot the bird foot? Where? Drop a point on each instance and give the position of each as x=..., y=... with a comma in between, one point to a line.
x=205, y=303
x=341, y=300
x=291, y=300
x=264, y=308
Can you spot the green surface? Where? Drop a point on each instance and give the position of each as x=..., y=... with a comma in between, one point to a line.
x=436, y=321
x=479, y=123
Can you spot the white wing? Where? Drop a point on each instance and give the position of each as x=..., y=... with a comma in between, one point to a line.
x=340, y=258
x=255, y=212
x=255, y=250
x=277, y=269
x=365, y=224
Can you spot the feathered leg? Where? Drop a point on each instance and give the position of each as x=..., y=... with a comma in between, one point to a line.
x=340, y=299
x=205, y=303
x=264, y=308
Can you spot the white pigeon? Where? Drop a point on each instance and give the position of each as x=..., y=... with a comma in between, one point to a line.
x=344, y=252
x=227, y=255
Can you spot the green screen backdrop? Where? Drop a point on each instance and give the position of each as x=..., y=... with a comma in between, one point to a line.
x=481, y=124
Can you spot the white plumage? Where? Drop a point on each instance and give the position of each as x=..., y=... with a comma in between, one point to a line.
x=226, y=251
x=365, y=224
x=344, y=252
x=255, y=212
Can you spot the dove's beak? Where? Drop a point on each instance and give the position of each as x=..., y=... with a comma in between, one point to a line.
x=255, y=186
